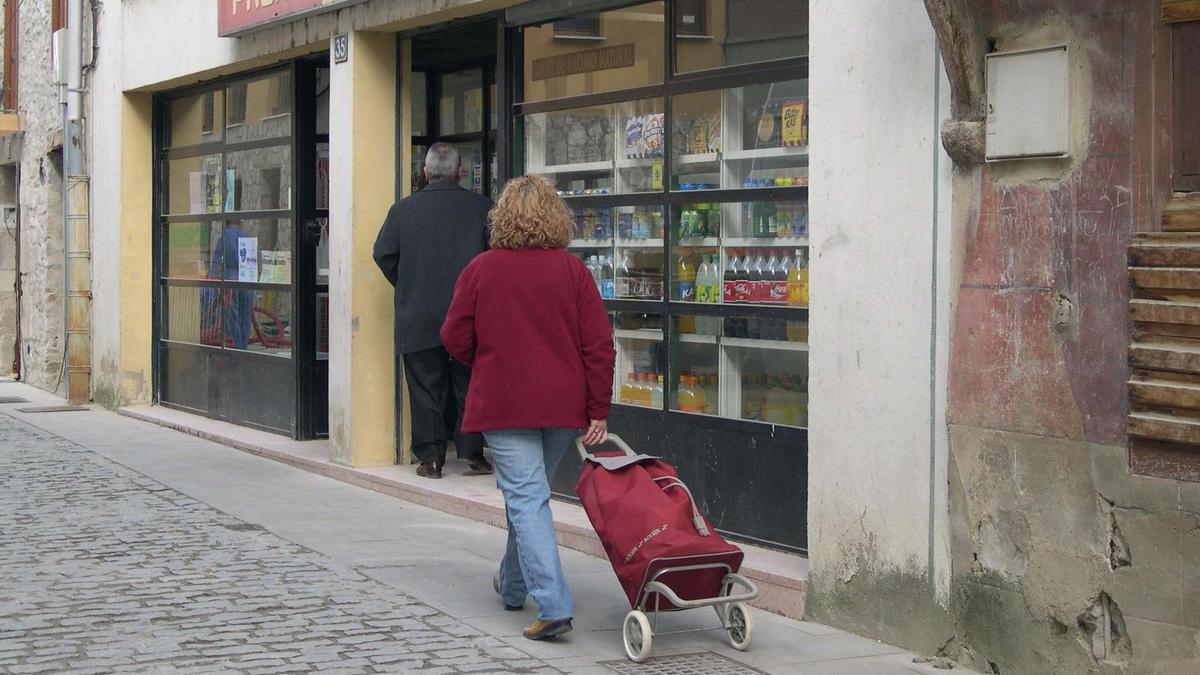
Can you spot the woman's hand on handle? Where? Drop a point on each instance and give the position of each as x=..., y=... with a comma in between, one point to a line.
x=597, y=433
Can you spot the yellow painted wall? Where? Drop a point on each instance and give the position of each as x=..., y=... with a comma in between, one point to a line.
x=136, y=281
x=372, y=380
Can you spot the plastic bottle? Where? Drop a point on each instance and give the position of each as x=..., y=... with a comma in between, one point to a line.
x=627, y=386
x=729, y=278
x=656, y=393
x=691, y=398
x=760, y=279
x=685, y=281
x=607, y=285
x=593, y=265
x=702, y=285
x=797, y=283
x=742, y=287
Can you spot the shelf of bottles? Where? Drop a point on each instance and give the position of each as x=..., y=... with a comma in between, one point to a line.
x=702, y=248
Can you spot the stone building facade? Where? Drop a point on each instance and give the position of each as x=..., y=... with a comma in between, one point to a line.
x=32, y=165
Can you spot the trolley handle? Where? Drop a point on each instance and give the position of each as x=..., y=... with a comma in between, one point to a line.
x=613, y=439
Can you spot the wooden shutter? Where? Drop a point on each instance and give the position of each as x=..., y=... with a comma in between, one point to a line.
x=12, y=32
x=1185, y=128
x=1180, y=10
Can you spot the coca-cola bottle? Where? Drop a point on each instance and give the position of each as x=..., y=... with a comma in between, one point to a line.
x=759, y=279
x=741, y=277
x=779, y=287
x=729, y=278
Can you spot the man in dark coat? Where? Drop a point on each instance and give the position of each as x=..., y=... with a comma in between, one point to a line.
x=426, y=240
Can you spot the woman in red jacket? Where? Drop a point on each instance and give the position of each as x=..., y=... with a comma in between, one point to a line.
x=528, y=319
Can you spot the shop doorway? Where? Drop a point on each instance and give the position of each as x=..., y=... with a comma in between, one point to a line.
x=454, y=97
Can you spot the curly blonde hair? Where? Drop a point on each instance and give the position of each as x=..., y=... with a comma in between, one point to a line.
x=529, y=214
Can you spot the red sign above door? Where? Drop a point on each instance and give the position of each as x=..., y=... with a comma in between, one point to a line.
x=235, y=16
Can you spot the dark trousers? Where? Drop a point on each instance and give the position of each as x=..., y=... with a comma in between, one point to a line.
x=432, y=376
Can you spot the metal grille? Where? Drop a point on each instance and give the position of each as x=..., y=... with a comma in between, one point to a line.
x=13, y=399
x=702, y=663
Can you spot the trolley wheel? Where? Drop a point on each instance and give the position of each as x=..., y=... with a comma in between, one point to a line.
x=740, y=625
x=638, y=636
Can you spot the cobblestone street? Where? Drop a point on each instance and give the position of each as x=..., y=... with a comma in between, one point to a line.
x=104, y=570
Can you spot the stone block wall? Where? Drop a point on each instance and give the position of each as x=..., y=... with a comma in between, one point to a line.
x=40, y=198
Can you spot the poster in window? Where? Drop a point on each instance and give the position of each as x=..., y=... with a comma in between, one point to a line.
x=322, y=182
x=276, y=267
x=248, y=259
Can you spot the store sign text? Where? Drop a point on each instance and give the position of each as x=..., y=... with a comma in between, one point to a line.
x=237, y=15
x=605, y=58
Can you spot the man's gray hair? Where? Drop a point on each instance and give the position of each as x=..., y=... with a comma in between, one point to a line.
x=442, y=162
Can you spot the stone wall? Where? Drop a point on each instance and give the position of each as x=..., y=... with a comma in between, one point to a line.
x=41, y=217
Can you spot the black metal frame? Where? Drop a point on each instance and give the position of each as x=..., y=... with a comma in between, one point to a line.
x=301, y=144
x=680, y=425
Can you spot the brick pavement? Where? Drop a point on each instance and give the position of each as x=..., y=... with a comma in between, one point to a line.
x=104, y=570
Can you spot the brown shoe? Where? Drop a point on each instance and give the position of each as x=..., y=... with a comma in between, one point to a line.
x=429, y=470
x=545, y=630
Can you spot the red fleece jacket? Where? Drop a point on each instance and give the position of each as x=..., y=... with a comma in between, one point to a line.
x=532, y=327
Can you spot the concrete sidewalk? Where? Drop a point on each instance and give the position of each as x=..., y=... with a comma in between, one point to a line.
x=442, y=560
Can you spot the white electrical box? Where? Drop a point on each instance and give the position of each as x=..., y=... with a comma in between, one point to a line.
x=58, y=55
x=1028, y=103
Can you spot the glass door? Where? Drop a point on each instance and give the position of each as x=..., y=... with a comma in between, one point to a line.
x=457, y=107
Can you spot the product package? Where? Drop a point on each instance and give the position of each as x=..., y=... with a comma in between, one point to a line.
x=633, y=137
x=795, y=129
x=652, y=135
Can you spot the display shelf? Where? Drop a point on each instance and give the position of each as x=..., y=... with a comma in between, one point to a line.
x=640, y=243
x=592, y=243
x=652, y=334
x=755, y=343
x=637, y=162
x=700, y=158
x=766, y=153
x=604, y=166
x=765, y=242
x=698, y=242
x=697, y=338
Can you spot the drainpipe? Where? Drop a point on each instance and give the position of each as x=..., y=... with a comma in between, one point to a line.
x=75, y=205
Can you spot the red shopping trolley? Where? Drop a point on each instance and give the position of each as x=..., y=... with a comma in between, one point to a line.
x=666, y=554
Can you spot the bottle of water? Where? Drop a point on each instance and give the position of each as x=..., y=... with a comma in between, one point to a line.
x=607, y=285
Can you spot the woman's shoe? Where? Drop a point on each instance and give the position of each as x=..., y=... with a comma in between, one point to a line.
x=544, y=630
x=496, y=586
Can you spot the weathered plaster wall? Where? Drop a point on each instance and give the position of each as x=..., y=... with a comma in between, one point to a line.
x=104, y=158
x=879, y=200
x=1050, y=532
x=41, y=205
x=8, y=270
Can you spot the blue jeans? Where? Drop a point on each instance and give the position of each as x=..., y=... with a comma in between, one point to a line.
x=525, y=461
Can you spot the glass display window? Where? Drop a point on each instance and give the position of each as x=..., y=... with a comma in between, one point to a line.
x=741, y=367
x=712, y=34
x=197, y=119
x=754, y=136
x=191, y=248
x=259, y=179
x=621, y=49
x=259, y=109
x=640, y=370
x=194, y=185
x=258, y=320
x=622, y=246
x=605, y=149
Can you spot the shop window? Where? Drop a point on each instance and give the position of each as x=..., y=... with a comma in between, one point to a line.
x=702, y=214
x=283, y=96
x=237, y=103
x=718, y=33
x=195, y=119
x=605, y=149
x=691, y=18
x=419, y=96
x=632, y=55
x=586, y=26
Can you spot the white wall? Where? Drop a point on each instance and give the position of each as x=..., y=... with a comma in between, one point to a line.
x=873, y=322
x=104, y=163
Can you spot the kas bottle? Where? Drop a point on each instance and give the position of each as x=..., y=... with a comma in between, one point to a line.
x=685, y=279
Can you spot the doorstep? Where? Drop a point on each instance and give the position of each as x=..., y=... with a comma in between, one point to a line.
x=780, y=576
